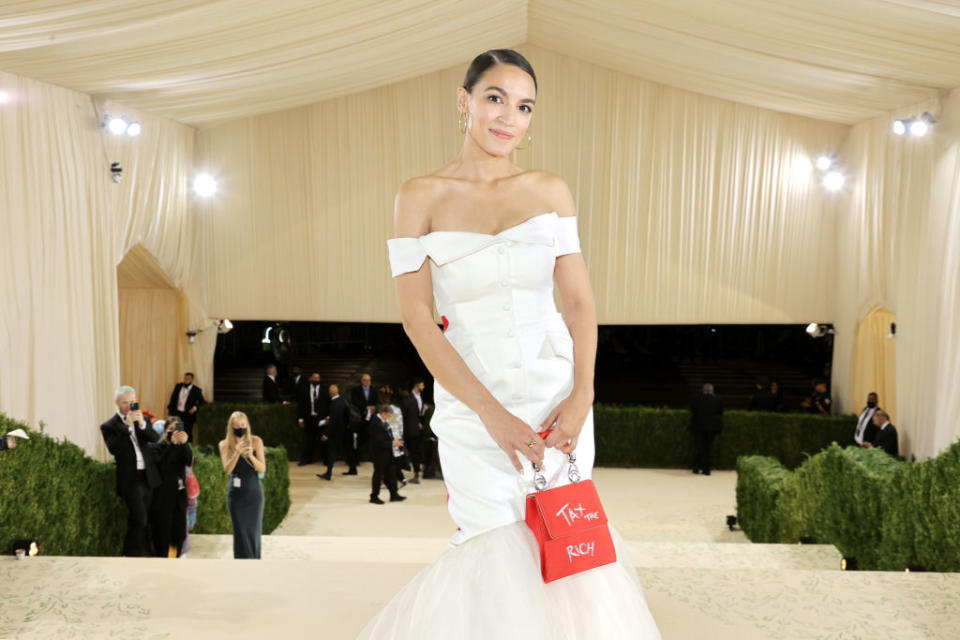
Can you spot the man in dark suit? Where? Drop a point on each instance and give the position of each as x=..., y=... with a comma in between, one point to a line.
x=185, y=401
x=127, y=435
x=270, y=387
x=382, y=443
x=333, y=427
x=363, y=398
x=866, y=430
x=763, y=398
x=296, y=384
x=411, y=430
x=314, y=403
x=706, y=421
x=886, y=436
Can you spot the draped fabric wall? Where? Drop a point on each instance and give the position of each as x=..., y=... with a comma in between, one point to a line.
x=898, y=246
x=149, y=324
x=693, y=209
x=66, y=227
x=153, y=316
x=875, y=363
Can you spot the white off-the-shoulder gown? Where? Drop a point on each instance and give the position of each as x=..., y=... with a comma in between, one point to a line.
x=495, y=294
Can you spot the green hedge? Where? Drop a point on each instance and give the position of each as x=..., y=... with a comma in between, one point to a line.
x=838, y=496
x=626, y=436
x=51, y=491
x=922, y=524
x=212, y=514
x=759, y=481
x=645, y=437
x=883, y=511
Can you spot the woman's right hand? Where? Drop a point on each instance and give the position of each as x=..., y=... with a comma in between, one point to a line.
x=243, y=448
x=513, y=434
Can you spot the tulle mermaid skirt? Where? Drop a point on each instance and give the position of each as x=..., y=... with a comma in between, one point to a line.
x=490, y=588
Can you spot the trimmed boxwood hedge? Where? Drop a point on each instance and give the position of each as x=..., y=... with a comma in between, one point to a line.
x=759, y=480
x=883, y=511
x=51, y=491
x=626, y=436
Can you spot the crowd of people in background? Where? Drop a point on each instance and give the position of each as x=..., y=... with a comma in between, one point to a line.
x=155, y=480
x=371, y=421
x=152, y=462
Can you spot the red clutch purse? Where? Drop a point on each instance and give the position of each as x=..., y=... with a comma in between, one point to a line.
x=569, y=525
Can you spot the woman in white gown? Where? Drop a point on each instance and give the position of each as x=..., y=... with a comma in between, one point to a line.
x=484, y=240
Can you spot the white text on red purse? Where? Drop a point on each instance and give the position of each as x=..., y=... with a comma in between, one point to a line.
x=577, y=550
x=577, y=513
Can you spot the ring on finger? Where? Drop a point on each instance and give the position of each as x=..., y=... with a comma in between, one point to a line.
x=532, y=444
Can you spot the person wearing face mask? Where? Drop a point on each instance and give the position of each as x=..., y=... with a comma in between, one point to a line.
x=866, y=430
x=168, y=516
x=314, y=402
x=242, y=455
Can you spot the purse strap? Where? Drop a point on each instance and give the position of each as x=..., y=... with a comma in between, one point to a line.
x=573, y=473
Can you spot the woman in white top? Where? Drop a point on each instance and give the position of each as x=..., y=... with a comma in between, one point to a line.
x=484, y=239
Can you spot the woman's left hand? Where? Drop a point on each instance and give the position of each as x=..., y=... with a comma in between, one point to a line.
x=566, y=420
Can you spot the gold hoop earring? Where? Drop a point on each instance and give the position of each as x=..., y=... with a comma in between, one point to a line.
x=529, y=140
x=461, y=121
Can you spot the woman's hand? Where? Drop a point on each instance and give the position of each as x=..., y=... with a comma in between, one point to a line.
x=513, y=434
x=243, y=448
x=567, y=420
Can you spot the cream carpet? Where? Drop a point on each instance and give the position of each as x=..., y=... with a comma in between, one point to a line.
x=337, y=559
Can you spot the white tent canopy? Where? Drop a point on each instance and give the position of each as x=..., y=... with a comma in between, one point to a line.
x=200, y=62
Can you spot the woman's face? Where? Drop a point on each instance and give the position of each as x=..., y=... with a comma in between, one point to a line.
x=241, y=423
x=500, y=108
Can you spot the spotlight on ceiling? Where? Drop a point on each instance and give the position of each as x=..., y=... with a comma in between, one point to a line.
x=921, y=126
x=224, y=326
x=115, y=125
x=4, y=97
x=134, y=129
x=834, y=181
x=825, y=163
x=204, y=185
x=900, y=126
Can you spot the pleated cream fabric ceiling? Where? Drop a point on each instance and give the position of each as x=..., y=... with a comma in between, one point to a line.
x=202, y=62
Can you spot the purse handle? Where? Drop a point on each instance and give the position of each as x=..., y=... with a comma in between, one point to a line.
x=573, y=473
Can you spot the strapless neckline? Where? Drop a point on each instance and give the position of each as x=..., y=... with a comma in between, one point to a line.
x=492, y=235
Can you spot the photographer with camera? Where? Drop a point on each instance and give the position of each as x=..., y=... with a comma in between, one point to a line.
x=169, y=514
x=128, y=436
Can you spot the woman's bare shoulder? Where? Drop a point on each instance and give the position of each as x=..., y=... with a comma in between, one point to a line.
x=222, y=444
x=554, y=188
x=413, y=204
x=257, y=441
